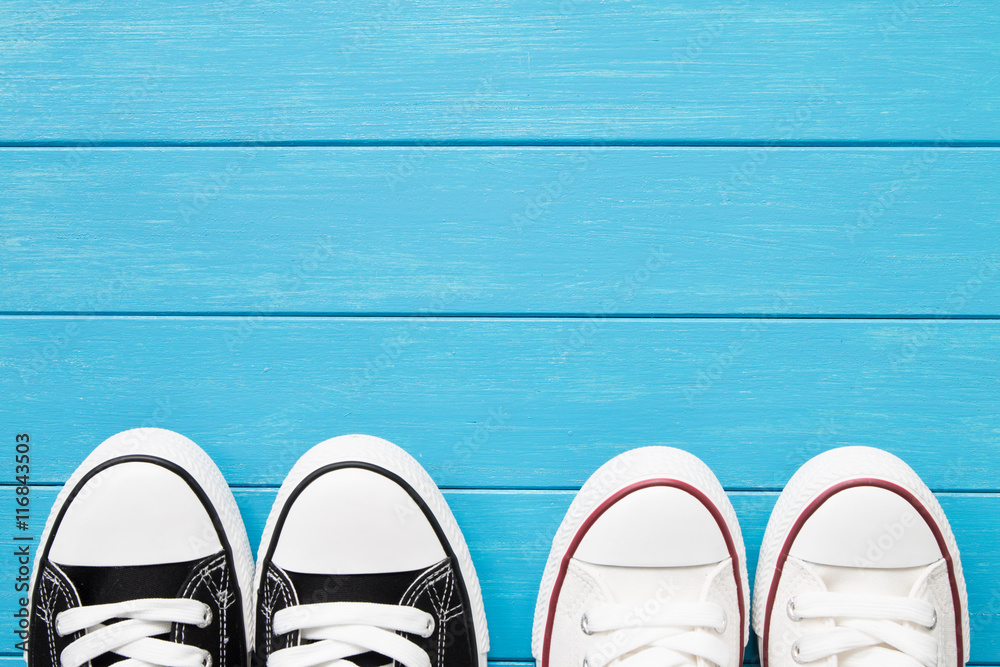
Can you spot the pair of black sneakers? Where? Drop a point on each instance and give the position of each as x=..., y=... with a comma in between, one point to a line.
x=145, y=561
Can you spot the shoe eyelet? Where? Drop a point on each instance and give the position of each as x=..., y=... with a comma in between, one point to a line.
x=725, y=623
x=933, y=621
x=797, y=653
x=585, y=626
x=429, y=628
x=207, y=662
x=790, y=609
x=586, y=663
x=206, y=620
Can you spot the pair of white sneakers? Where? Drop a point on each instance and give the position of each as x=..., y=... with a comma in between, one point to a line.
x=145, y=561
x=858, y=568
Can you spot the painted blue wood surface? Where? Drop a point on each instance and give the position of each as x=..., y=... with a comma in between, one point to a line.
x=592, y=230
x=510, y=402
x=264, y=272
x=522, y=70
x=509, y=535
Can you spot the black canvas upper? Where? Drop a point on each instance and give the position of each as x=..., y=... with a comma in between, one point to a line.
x=208, y=580
x=438, y=590
x=435, y=590
x=211, y=580
x=53, y=594
x=104, y=585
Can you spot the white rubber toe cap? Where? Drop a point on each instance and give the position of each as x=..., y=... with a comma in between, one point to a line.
x=134, y=513
x=355, y=521
x=655, y=526
x=869, y=527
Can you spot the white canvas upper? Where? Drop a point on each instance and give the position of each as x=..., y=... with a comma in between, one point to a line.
x=645, y=593
x=859, y=569
x=641, y=572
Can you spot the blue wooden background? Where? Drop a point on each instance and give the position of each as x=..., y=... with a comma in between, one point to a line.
x=515, y=238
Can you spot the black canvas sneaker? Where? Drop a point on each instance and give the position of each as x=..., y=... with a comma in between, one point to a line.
x=143, y=561
x=362, y=563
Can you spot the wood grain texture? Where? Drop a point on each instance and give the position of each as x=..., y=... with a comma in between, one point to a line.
x=510, y=533
x=253, y=185
x=510, y=402
x=592, y=230
x=559, y=70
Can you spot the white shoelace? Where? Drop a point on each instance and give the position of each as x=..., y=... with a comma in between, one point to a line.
x=132, y=637
x=673, y=637
x=867, y=622
x=341, y=630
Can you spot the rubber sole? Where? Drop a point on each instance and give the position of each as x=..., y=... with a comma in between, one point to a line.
x=383, y=454
x=830, y=471
x=633, y=468
x=175, y=448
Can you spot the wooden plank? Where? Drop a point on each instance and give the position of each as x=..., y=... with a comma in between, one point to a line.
x=501, y=230
x=517, y=71
x=509, y=534
x=507, y=402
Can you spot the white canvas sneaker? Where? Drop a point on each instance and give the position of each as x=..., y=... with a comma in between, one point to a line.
x=647, y=569
x=859, y=568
